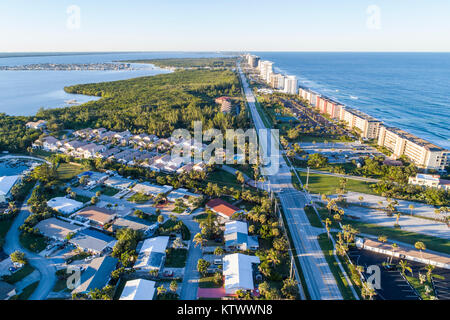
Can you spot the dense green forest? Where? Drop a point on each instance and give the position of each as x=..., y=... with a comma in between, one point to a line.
x=14, y=136
x=154, y=104
x=190, y=62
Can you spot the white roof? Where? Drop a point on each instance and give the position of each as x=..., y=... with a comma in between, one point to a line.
x=152, y=250
x=64, y=205
x=180, y=193
x=236, y=226
x=139, y=289
x=238, y=272
x=6, y=183
x=427, y=177
x=152, y=189
x=156, y=244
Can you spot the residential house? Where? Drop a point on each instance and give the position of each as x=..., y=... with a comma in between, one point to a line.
x=64, y=205
x=93, y=241
x=238, y=272
x=96, y=215
x=138, y=289
x=57, y=229
x=96, y=275
x=236, y=236
x=6, y=185
x=152, y=254
x=222, y=208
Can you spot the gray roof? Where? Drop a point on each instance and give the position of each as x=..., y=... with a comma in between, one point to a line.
x=97, y=274
x=91, y=240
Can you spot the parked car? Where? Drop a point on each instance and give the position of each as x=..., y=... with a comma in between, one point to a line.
x=218, y=261
x=168, y=273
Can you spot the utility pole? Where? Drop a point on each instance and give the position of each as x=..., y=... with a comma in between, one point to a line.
x=307, y=178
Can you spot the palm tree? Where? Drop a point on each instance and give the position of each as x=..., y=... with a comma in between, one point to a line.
x=161, y=290
x=367, y=290
x=173, y=286
x=429, y=269
x=382, y=238
x=394, y=247
x=199, y=240
x=404, y=265
x=419, y=245
x=273, y=257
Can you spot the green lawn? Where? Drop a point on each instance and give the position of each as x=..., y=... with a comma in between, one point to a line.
x=208, y=282
x=327, y=248
x=223, y=178
x=35, y=243
x=325, y=184
x=19, y=275
x=67, y=171
x=4, y=227
x=139, y=198
x=313, y=217
x=107, y=191
x=432, y=243
x=176, y=258
x=27, y=291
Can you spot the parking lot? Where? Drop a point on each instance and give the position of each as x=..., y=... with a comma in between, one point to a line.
x=393, y=286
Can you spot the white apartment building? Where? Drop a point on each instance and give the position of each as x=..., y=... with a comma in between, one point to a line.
x=291, y=85
x=265, y=69
x=424, y=154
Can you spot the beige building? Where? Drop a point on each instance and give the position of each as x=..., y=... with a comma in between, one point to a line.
x=368, y=126
x=277, y=81
x=423, y=153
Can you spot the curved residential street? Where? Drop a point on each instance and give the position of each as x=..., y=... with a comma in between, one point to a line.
x=43, y=265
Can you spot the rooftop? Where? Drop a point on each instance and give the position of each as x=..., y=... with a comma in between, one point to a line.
x=55, y=228
x=99, y=215
x=6, y=183
x=223, y=207
x=97, y=274
x=64, y=205
x=139, y=289
x=91, y=240
x=412, y=138
x=238, y=272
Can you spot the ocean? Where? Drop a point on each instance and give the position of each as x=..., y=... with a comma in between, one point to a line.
x=407, y=90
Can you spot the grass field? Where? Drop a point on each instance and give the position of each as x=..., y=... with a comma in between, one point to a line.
x=325, y=184
x=223, y=178
x=35, y=243
x=176, y=258
x=4, y=227
x=432, y=243
x=139, y=198
x=314, y=220
x=327, y=248
x=208, y=282
x=27, y=291
x=67, y=171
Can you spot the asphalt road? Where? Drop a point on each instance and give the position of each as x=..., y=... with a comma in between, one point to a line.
x=191, y=276
x=43, y=265
x=319, y=279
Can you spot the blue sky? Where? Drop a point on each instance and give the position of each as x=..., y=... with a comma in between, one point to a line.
x=201, y=25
